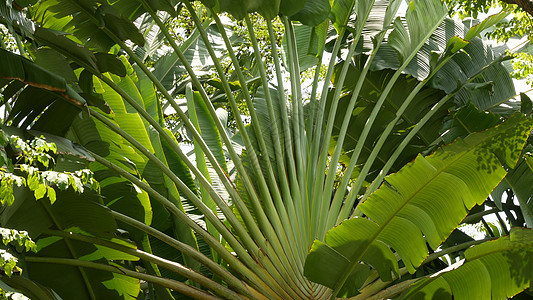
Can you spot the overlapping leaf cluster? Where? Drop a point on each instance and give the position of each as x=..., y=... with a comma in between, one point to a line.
x=29, y=164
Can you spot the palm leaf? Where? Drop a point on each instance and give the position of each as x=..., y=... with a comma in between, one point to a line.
x=26, y=71
x=411, y=204
x=374, y=84
x=169, y=70
x=504, y=265
x=474, y=57
x=130, y=122
x=265, y=217
x=27, y=287
x=71, y=210
x=518, y=180
x=61, y=15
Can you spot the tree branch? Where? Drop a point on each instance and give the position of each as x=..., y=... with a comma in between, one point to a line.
x=525, y=5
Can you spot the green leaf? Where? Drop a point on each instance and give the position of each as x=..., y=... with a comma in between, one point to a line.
x=337, y=250
x=6, y=192
x=504, y=265
x=55, y=119
x=475, y=58
x=65, y=46
x=240, y=8
x=421, y=17
x=28, y=287
x=415, y=203
x=486, y=24
x=426, y=208
x=8, y=263
x=313, y=13
x=291, y=7
x=135, y=8
x=209, y=130
x=526, y=106
x=34, y=181
x=373, y=86
x=261, y=108
x=51, y=194
x=456, y=43
x=304, y=36
x=110, y=63
x=467, y=120
x=73, y=18
x=341, y=11
x=17, y=237
x=197, y=111
x=40, y=191
x=120, y=194
x=101, y=284
x=126, y=287
x=529, y=160
x=13, y=16
x=119, y=25
x=21, y=69
x=317, y=42
x=269, y=9
x=70, y=210
x=519, y=180
x=55, y=63
x=133, y=124
x=169, y=69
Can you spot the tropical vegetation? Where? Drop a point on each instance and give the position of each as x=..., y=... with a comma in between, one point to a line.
x=283, y=149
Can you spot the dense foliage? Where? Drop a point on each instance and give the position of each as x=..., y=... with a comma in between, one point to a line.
x=261, y=149
x=516, y=27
